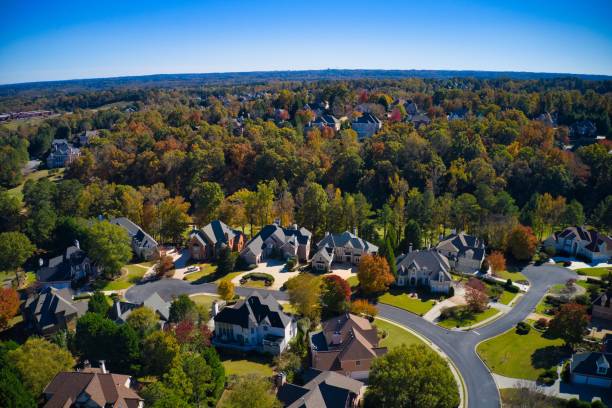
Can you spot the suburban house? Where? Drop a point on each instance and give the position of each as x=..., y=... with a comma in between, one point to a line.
x=62, y=153
x=64, y=270
x=347, y=344
x=343, y=248
x=581, y=242
x=427, y=268
x=325, y=120
x=592, y=368
x=85, y=137
x=583, y=129
x=91, y=388
x=275, y=240
x=256, y=323
x=52, y=310
x=143, y=245
x=323, y=389
x=366, y=125
x=120, y=311
x=465, y=252
x=206, y=243
x=457, y=114
x=602, y=306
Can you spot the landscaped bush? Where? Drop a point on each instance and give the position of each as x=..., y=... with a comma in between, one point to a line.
x=522, y=328
x=567, y=263
x=566, y=375
x=548, y=377
x=453, y=312
x=451, y=292
x=541, y=324
x=291, y=263
x=258, y=276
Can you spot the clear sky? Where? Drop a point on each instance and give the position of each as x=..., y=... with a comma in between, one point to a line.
x=51, y=40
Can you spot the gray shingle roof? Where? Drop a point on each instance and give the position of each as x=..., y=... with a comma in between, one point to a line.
x=463, y=244
x=346, y=239
x=256, y=309
x=215, y=233
x=137, y=234
x=587, y=363
x=322, y=389
x=282, y=235
x=430, y=259
x=45, y=305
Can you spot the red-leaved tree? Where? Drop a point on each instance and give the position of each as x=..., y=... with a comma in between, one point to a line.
x=9, y=305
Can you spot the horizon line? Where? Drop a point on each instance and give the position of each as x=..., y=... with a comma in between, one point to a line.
x=559, y=74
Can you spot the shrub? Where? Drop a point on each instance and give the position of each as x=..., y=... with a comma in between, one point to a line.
x=522, y=328
x=567, y=263
x=451, y=292
x=451, y=312
x=548, y=377
x=291, y=263
x=266, y=277
x=363, y=307
x=541, y=324
x=484, y=268
x=566, y=375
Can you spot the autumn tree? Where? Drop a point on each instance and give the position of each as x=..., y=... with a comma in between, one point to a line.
x=363, y=307
x=336, y=292
x=38, y=361
x=522, y=244
x=305, y=294
x=9, y=306
x=374, y=274
x=476, y=300
x=570, y=323
x=225, y=289
x=497, y=261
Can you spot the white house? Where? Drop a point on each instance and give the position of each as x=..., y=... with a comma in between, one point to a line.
x=255, y=323
x=428, y=269
x=345, y=247
x=464, y=252
x=591, y=368
x=581, y=242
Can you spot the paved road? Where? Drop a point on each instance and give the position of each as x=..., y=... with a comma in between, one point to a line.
x=459, y=346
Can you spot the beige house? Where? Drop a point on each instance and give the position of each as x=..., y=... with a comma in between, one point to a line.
x=464, y=252
x=274, y=240
x=341, y=248
x=429, y=269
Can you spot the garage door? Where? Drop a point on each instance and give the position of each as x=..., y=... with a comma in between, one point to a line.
x=599, y=382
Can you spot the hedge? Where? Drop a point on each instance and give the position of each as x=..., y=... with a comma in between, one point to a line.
x=269, y=279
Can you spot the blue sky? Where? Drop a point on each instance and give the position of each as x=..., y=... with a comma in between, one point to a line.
x=52, y=40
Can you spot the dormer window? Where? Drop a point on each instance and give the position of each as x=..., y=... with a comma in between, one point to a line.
x=602, y=370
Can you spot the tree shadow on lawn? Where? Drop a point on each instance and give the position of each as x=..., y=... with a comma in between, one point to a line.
x=549, y=356
x=423, y=295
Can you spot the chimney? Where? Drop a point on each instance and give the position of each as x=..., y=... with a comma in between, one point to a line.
x=217, y=305
x=76, y=244
x=280, y=379
x=410, y=248
x=355, y=231
x=336, y=338
x=295, y=227
x=103, y=367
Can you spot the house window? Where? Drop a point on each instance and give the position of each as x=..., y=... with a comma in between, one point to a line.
x=357, y=363
x=602, y=370
x=265, y=328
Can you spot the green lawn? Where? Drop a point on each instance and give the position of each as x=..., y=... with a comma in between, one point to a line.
x=543, y=306
x=205, y=300
x=237, y=364
x=515, y=276
x=353, y=281
x=130, y=275
x=507, y=297
x=404, y=301
x=207, y=270
x=596, y=272
x=259, y=284
x=36, y=175
x=511, y=395
x=468, y=319
x=521, y=356
x=396, y=335
x=229, y=276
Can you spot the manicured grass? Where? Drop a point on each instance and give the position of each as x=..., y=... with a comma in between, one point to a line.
x=596, y=272
x=205, y=300
x=468, y=319
x=543, y=306
x=507, y=297
x=242, y=364
x=206, y=271
x=229, y=276
x=250, y=283
x=396, y=336
x=522, y=356
x=515, y=276
x=404, y=301
x=130, y=275
x=36, y=175
x=353, y=281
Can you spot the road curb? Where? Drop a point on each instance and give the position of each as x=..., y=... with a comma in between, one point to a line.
x=463, y=395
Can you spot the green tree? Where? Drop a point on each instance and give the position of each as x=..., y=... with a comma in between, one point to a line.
x=573, y=214
x=95, y=337
x=41, y=223
x=38, y=361
x=226, y=262
x=182, y=308
x=108, y=246
x=160, y=349
x=174, y=219
x=304, y=294
x=251, y=391
x=390, y=256
x=412, y=236
x=313, y=203
x=206, y=198
x=465, y=211
x=143, y=320
x=10, y=211
x=98, y=304
x=570, y=323
x=13, y=393
x=15, y=249
x=413, y=376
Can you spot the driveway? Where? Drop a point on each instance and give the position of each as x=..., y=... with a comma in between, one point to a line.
x=459, y=346
x=273, y=267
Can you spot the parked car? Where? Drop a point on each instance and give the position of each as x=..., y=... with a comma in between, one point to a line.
x=193, y=269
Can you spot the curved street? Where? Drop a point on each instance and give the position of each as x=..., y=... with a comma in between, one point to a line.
x=459, y=346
